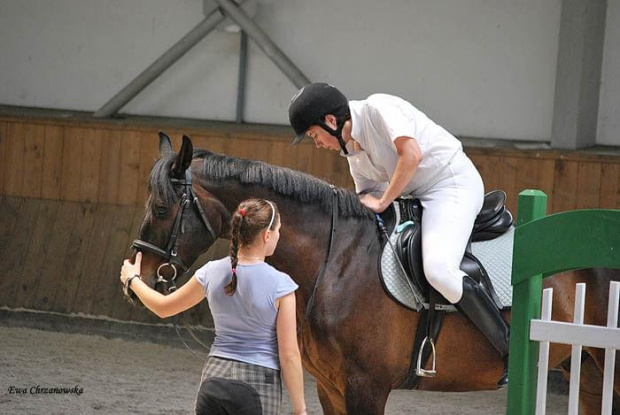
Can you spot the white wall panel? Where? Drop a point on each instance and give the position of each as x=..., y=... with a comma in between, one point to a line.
x=481, y=68
x=608, y=132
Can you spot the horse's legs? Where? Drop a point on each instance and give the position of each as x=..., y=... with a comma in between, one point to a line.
x=365, y=395
x=590, y=388
x=331, y=400
x=599, y=358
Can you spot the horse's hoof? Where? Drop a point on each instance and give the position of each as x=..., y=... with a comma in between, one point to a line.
x=503, y=382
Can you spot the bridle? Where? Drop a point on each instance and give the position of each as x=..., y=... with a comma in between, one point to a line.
x=170, y=254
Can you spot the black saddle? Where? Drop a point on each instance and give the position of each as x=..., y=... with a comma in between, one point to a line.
x=492, y=221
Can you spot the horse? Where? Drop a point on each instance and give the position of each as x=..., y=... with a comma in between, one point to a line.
x=356, y=341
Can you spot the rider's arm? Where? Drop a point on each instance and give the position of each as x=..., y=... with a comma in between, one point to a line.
x=409, y=157
x=288, y=351
x=190, y=294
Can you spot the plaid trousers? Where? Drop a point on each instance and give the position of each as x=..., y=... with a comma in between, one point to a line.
x=264, y=380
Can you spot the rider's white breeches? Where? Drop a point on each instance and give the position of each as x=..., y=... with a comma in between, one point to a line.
x=450, y=206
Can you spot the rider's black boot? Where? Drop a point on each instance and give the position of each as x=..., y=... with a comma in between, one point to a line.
x=480, y=309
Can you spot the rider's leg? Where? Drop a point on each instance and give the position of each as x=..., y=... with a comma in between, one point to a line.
x=478, y=307
x=450, y=209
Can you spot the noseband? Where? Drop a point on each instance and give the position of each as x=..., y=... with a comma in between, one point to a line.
x=170, y=254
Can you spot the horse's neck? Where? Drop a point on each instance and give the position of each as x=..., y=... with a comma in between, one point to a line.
x=305, y=231
x=305, y=243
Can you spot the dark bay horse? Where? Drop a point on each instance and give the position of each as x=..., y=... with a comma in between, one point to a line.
x=357, y=342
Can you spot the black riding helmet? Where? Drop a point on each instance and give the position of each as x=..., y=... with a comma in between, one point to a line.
x=311, y=104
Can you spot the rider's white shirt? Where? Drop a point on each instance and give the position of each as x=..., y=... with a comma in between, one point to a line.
x=379, y=120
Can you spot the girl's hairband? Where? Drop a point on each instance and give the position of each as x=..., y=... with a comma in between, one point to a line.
x=273, y=214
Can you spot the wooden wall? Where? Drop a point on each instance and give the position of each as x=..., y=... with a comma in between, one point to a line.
x=99, y=163
x=109, y=163
x=65, y=257
x=572, y=180
x=72, y=196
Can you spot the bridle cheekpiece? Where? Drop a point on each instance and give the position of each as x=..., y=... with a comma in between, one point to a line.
x=170, y=254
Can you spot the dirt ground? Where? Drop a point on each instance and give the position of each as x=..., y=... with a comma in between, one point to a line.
x=118, y=376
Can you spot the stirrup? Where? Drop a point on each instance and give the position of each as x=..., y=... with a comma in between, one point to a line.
x=430, y=373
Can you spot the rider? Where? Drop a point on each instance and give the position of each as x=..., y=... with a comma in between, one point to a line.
x=394, y=149
x=253, y=308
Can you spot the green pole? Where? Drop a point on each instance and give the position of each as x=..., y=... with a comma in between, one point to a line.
x=526, y=299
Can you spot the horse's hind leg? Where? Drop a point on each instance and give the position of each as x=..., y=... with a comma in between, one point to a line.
x=591, y=387
x=332, y=401
x=365, y=396
x=599, y=358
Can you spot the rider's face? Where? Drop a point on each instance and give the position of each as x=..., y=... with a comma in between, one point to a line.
x=323, y=139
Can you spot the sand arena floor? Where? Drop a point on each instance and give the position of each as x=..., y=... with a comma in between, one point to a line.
x=117, y=376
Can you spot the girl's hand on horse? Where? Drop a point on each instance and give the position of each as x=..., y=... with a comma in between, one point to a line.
x=130, y=269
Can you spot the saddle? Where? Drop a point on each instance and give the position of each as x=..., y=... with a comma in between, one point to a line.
x=492, y=221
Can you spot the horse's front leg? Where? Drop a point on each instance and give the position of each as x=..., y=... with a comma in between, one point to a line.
x=332, y=400
x=365, y=395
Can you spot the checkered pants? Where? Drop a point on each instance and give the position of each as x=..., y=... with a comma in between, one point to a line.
x=265, y=380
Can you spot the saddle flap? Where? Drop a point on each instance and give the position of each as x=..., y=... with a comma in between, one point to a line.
x=389, y=218
x=408, y=247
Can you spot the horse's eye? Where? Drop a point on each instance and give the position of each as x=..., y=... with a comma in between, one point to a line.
x=161, y=211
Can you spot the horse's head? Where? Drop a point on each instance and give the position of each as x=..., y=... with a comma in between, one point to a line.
x=181, y=219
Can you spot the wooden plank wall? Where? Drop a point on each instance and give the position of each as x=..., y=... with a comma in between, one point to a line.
x=72, y=197
x=103, y=163
x=572, y=180
x=65, y=257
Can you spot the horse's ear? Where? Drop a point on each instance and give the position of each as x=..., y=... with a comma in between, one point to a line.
x=165, y=146
x=184, y=158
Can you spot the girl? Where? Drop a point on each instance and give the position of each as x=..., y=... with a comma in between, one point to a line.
x=253, y=308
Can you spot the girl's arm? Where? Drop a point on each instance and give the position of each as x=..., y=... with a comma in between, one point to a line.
x=190, y=294
x=288, y=350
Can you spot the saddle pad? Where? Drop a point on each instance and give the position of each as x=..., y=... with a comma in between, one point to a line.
x=495, y=255
x=394, y=279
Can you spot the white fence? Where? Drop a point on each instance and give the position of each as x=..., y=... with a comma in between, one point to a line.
x=578, y=335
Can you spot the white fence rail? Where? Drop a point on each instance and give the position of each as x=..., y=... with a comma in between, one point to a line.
x=578, y=335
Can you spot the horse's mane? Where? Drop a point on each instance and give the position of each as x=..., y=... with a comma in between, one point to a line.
x=298, y=186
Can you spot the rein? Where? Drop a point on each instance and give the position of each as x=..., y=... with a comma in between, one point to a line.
x=332, y=232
